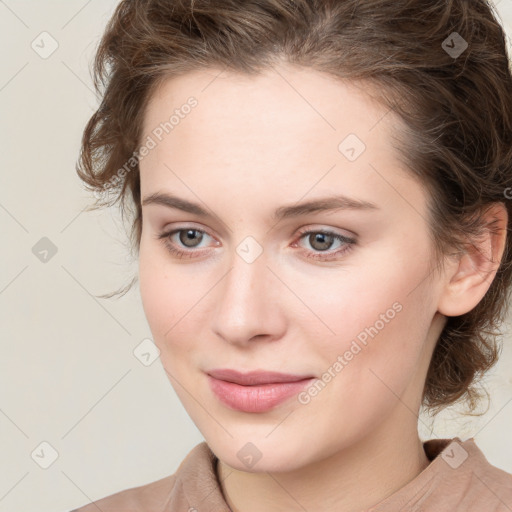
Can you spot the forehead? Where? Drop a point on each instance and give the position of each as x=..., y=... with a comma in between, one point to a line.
x=284, y=130
x=281, y=110
x=286, y=91
x=300, y=99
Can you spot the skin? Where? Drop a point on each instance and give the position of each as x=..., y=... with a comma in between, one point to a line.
x=251, y=145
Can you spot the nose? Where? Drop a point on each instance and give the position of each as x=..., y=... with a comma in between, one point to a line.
x=250, y=303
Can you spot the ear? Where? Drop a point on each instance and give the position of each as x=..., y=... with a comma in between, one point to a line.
x=469, y=275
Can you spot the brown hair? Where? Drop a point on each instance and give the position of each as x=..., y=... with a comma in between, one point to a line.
x=455, y=104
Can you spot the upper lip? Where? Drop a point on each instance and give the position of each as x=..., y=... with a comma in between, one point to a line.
x=255, y=377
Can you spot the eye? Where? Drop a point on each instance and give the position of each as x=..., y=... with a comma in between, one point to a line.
x=189, y=237
x=320, y=240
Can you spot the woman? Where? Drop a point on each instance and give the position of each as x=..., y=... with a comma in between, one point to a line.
x=345, y=168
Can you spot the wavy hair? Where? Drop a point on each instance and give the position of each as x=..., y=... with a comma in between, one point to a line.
x=456, y=109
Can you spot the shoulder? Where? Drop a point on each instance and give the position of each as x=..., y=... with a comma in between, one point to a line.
x=492, y=481
x=466, y=477
x=136, y=498
x=458, y=478
x=173, y=492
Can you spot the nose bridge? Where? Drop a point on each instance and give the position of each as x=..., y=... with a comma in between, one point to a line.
x=247, y=281
x=246, y=305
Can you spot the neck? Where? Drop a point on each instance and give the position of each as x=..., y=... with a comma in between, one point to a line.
x=352, y=479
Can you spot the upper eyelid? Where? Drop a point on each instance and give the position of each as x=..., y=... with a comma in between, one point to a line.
x=314, y=227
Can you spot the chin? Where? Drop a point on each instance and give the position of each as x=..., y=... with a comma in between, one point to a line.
x=253, y=454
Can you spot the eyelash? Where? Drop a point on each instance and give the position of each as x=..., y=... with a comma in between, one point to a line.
x=325, y=256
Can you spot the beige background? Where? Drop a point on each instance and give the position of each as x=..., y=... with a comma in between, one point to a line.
x=68, y=374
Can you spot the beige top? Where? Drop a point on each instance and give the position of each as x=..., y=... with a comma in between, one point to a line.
x=459, y=478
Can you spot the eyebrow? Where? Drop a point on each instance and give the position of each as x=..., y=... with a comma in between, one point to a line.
x=284, y=212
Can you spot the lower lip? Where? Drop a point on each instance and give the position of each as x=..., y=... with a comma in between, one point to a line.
x=260, y=398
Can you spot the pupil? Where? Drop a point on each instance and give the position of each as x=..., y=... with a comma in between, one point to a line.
x=321, y=238
x=189, y=236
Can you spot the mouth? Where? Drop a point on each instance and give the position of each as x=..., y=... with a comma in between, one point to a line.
x=256, y=377
x=255, y=392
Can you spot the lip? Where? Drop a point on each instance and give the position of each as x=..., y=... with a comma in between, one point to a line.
x=257, y=391
x=255, y=377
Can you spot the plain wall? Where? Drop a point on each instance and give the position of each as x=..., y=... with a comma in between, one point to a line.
x=68, y=374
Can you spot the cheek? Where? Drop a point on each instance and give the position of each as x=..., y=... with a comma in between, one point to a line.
x=366, y=306
x=380, y=327
x=162, y=294
x=363, y=382
x=387, y=297
x=173, y=304
x=154, y=293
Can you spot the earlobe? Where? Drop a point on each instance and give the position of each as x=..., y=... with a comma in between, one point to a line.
x=471, y=274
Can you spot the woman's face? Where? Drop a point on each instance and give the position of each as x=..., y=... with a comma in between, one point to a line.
x=259, y=289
